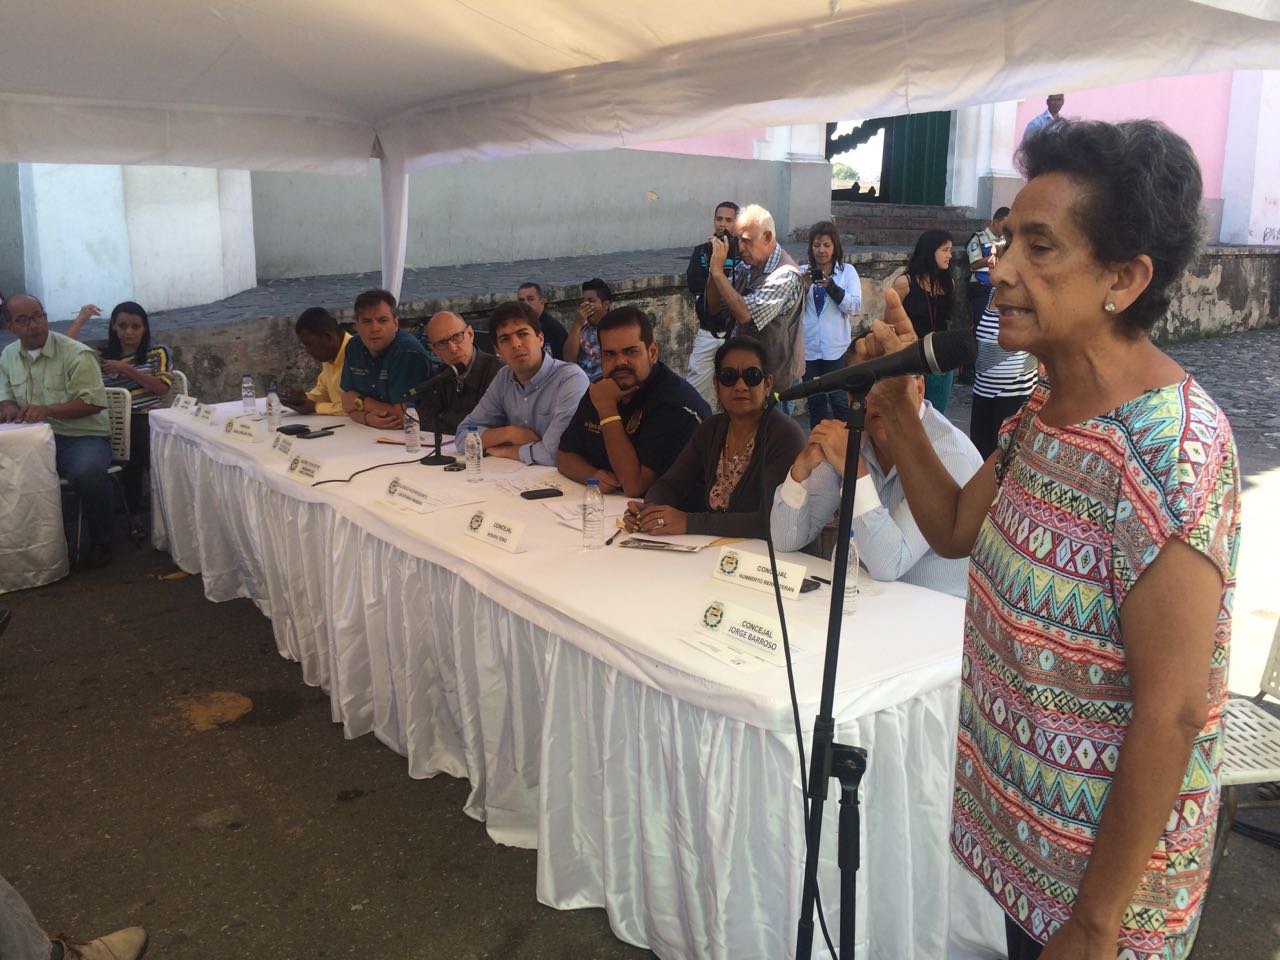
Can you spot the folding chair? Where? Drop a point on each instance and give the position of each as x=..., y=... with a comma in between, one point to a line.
x=1251, y=747
x=119, y=414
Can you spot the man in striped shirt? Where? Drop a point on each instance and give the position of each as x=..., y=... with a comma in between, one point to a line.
x=890, y=545
x=764, y=296
x=1002, y=382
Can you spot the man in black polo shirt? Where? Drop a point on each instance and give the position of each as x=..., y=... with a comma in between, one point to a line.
x=453, y=341
x=711, y=329
x=634, y=421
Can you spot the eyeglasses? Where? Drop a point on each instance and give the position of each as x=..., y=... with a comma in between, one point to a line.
x=729, y=376
x=454, y=340
x=29, y=319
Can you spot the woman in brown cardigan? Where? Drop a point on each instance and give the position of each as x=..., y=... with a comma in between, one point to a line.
x=718, y=474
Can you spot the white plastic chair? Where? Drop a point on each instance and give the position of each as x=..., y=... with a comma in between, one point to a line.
x=1251, y=746
x=119, y=415
x=179, y=388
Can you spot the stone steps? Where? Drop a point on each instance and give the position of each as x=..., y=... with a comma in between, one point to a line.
x=893, y=223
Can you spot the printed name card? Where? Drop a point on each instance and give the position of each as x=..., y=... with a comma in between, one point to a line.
x=730, y=632
x=753, y=570
x=304, y=469
x=185, y=404
x=204, y=414
x=246, y=428
x=409, y=497
x=282, y=444
x=497, y=531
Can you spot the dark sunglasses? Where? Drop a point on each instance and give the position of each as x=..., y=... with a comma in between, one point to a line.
x=728, y=376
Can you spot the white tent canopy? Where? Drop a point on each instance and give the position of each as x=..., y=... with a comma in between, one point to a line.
x=322, y=85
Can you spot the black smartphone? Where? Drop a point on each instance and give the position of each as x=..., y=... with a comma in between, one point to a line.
x=808, y=585
x=312, y=434
x=456, y=467
x=542, y=494
x=294, y=429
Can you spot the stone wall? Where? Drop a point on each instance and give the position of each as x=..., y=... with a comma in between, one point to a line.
x=1227, y=290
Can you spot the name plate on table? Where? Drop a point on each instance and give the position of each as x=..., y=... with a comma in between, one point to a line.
x=729, y=632
x=753, y=570
x=409, y=497
x=205, y=414
x=497, y=531
x=304, y=469
x=282, y=444
x=246, y=428
x=185, y=404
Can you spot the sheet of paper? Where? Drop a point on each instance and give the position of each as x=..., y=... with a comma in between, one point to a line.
x=433, y=500
x=680, y=543
x=570, y=514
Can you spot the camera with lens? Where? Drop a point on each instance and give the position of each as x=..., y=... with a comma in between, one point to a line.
x=734, y=255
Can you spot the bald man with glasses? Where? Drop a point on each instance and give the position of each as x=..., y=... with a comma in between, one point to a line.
x=454, y=342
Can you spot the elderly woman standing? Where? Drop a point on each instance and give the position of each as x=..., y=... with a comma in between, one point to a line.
x=1102, y=537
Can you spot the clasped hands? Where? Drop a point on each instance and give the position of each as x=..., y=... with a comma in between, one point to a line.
x=654, y=518
x=10, y=412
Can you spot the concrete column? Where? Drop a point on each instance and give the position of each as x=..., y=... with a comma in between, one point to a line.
x=1250, y=173
x=999, y=182
x=163, y=236
x=74, y=236
x=967, y=154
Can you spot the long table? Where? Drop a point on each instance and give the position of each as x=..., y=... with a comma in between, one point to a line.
x=655, y=781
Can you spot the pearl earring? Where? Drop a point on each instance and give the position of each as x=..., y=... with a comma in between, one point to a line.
x=1109, y=307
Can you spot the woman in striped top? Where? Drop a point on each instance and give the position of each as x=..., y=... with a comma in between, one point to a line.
x=1002, y=381
x=132, y=361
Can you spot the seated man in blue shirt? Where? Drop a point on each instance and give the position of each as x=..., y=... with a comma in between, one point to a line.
x=382, y=365
x=890, y=545
x=633, y=421
x=531, y=400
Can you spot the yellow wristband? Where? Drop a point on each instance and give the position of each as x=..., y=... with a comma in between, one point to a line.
x=615, y=417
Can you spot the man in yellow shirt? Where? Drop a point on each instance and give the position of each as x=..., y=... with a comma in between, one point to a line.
x=326, y=342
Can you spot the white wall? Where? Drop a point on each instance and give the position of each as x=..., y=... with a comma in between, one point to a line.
x=524, y=208
x=75, y=241
x=1251, y=172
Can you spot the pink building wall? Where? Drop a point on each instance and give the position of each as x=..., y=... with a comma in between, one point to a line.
x=738, y=144
x=1196, y=107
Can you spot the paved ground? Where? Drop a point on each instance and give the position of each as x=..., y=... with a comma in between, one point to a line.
x=128, y=793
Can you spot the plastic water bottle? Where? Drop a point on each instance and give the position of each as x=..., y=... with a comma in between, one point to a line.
x=851, y=579
x=475, y=453
x=412, y=436
x=248, y=396
x=593, y=516
x=273, y=408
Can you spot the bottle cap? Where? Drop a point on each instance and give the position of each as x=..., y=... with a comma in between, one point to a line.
x=593, y=482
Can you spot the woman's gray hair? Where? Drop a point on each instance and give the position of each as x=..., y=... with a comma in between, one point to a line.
x=1142, y=195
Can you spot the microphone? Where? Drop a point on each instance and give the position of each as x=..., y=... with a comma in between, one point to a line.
x=433, y=383
x=935, y=353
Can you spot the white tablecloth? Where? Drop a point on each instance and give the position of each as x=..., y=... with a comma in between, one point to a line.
x=33, y=547
x=654, y=781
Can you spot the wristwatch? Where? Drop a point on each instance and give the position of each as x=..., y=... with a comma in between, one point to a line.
x=359, y=402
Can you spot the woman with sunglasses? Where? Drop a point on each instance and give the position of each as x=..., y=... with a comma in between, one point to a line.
x=718, y=474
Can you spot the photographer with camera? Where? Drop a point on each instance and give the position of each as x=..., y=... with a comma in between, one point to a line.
x=711, y=329
x=832, y=292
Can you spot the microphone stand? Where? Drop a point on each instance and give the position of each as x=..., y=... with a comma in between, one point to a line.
x=434, y=405
x=828, y=758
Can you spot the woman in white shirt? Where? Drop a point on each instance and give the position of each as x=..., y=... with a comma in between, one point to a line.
x=832, y=291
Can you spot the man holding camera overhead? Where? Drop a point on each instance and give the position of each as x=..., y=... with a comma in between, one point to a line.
x=711, y=329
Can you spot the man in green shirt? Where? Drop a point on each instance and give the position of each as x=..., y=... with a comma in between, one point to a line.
x=48, y=378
